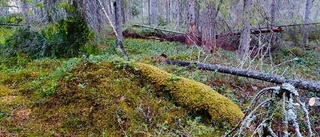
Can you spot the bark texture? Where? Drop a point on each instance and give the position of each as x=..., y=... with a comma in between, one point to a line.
x=209, y=27
x=193, y=32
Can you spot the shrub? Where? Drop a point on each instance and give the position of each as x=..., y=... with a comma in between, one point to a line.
x=24, y=41
x=11, y=19
x=67, y=39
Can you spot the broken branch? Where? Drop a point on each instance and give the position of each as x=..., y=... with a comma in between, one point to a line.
x=308, y=85
x=314, y=102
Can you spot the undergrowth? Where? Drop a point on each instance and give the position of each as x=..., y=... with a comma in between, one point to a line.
x=48, y=97
x=88, y=99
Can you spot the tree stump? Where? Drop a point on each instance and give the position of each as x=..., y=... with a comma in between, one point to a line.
x=314, y=102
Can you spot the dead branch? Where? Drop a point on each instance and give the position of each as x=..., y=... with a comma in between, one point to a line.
x=114, y=28
x=307, y=85
x=10, y=25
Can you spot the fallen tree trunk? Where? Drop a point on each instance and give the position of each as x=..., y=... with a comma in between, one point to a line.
x=156, y=34
x=158, y=29
x=308, y=85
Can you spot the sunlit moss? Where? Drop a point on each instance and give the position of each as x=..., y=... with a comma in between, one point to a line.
x=104, y=99
x=4, y=91
x=194, y=95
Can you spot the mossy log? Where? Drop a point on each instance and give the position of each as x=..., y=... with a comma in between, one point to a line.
x=193, y=95
x=308, y=85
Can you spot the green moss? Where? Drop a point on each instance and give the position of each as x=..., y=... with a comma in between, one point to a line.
x=4, y=91
x=194, y=95
x=104, y=98
x=101, y=99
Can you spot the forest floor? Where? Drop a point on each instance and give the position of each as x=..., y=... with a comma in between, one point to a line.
x=56, y=97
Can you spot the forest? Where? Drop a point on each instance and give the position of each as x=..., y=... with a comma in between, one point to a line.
x=143, y=68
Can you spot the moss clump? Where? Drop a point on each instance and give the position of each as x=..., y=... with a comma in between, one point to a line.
x=103, y=99
x=193, y=95
x=4, y=91
x=111, y=99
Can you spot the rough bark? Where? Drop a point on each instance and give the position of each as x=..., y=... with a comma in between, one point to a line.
x=209, y=39
x=118, y=24
x=99, y=22
x=245, y=35
x=306, y=21
x=307, y=85
x=193, y=33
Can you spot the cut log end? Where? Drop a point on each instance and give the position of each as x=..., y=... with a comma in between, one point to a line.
x=314, y=102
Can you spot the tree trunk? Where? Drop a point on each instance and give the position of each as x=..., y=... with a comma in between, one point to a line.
x=25, y=11
x=110, y=7
x=245, y=35
x=153, y=12
x=209, y=28
x=52, y=10
x=273, y=38
x=307, y=85
x=273, y=13
x=192, y=26
x=123, y=12
x=180, y=14
x=142, y=11
x=168, y=19
x=99, y=24
x=306, y=21
x=118, y=24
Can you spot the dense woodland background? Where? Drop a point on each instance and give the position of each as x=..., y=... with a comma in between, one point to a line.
x=54, y=51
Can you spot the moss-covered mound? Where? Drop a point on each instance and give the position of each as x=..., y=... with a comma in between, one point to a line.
x=193, y=95
x=114, y=99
